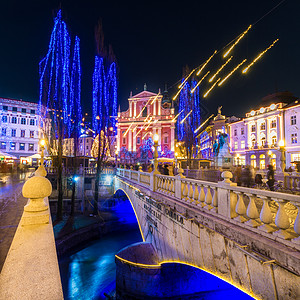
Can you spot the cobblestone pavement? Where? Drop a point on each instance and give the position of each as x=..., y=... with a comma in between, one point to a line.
x=11, y=208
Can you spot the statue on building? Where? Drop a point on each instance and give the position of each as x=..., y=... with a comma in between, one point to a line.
x=219, y=110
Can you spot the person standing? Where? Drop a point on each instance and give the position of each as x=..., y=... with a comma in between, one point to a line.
x=270, y=177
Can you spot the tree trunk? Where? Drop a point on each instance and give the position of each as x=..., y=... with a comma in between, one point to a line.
x=59, y=213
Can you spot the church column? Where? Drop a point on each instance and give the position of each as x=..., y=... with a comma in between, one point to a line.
x=130, y=109
x=267, y=133
x=134, y=140
x=154, y=108
x=129, y=140
x=159, y=106
x=172, y=138
x=159, y=137
x=118, y=139
x=134, y=108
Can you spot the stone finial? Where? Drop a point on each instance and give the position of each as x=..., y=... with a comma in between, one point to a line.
x=140, y=168
x=36, y=189
x=227, y=176
x=180, y=172
x=41, y=171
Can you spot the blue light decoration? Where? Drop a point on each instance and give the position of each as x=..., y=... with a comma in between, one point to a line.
x=60, y=80
x=104, y=95
x=75, y=91
x=189, y=102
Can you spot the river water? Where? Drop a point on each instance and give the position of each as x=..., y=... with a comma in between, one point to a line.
x=90, y=273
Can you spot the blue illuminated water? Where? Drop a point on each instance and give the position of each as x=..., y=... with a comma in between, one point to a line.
x=90, y=273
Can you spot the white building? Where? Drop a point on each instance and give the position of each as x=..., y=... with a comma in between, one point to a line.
x=254, y=139
x=19, y=127
x=85, y=144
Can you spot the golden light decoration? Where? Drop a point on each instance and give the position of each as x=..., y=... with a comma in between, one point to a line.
x=259, y=56
x=185, y=80
x=252, y=113
x=199, y=82
x=273, y=106
x=281, y=143
x=124, y=135
x=223, y=80
x=176, y=116
x=155, y=137
x=181, y=122
x=211, y=88
x=42, y=143
x=222, y=67
x=237, y=41
x=195, y=131
x=204, y=65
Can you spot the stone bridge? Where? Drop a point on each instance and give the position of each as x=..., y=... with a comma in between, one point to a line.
x=247, y=237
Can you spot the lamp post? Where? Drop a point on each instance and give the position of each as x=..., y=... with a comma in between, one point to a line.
x=238, y=159
x=282, y=157
x=155, y=155
x=116, y=152
x=175, y=154
x=41, y=171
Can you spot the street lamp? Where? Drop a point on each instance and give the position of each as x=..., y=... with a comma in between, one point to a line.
x=155, y=156
x=41, y=171
x=116, y=152
x=175, y=154
x=238, y=159
x=42, y=145
x=282, y=157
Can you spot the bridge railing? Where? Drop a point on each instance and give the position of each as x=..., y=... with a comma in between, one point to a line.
x=81, y=171
x=272, y=214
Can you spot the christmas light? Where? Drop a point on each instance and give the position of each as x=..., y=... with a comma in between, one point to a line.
x=211, y=88
x=204, y=65
x=259, y=56
x=181, y=122
x=237, y=41
x=223, y=80
x=199, y=82
x=186, y=79
x=203, y=123
x=176, y=116
x=222, y=67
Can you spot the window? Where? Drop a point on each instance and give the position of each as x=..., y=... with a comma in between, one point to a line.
x=4, y=119
x=3, y=146
x=22, y=133
x=14, y=109
x=243, y=144
x=32, y=111
x=5, y=107
x=31, y=134
x=30, y=147
x=13, y=132
x=14, y=120
x=23, y=121
x=22, y=146
x=12, y=146
x=23, y=110
x=252, y=128
x=31, y=122
x=263, y=141
x=262, y=161
x=253, y=160
x=273, y=124
x=294, y=138
x=87, y=147
x=145, y=113
x=242, y=131
x=3, y=131
x=235, y=132
x=124, y=140
x=235, y=145
x=138, y=140
x=263, y=126
x=274, y=140
x=253, y=142
x=293, y=120
x=166, y=139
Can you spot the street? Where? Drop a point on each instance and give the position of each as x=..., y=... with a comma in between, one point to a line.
x=11, y=208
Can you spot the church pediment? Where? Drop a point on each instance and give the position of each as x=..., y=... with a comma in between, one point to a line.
x=143, y=94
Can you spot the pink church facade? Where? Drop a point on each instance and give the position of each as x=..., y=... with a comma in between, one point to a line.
x=136, y=127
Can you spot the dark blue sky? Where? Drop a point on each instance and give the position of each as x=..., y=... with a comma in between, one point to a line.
x=153, y=40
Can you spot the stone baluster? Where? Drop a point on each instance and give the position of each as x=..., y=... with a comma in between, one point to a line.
x=191, y=192
x=201, y=196
x=252, y=212
x=215, y=199
x=167, y=185
x=196, y=194
x=240, y=208
x=282, y=220
x=171, y=187
x=184, y=190
x=266, y=216
x=208, y=198
x=297, y=223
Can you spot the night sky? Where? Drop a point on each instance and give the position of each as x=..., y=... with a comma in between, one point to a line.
x=153, y=41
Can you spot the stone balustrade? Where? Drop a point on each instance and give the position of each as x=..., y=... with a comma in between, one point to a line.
x=31, y=270
x=271, y=214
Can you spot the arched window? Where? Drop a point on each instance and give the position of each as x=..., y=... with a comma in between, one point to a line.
x=262, y=126
x=263, y=141
x=262, y=161
x=253, y=141
x=145, y=112
x=253, y=160
x=274, y=140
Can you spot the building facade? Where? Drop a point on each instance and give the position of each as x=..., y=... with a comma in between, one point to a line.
x=255, y=139
x=136, y=127
x=20, y=131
